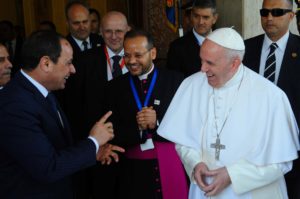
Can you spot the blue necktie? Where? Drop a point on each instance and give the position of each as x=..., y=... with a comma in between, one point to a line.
x=52, y=101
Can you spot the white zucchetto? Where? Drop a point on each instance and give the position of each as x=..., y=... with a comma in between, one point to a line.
x=228, y=38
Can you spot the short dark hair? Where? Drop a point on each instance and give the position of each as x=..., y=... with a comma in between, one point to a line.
x=38, y=44
x=205, y=4
x=92, y=10
x=49, y=24
x=133, y=33
x=71, y=4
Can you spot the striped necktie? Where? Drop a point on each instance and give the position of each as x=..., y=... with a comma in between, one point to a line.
x=270, y=66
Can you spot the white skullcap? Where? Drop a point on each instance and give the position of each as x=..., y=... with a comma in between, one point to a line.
x=228, y=38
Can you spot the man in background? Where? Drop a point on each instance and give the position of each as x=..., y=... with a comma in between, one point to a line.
x=276, y=56
x=5, y=66
x=183, y=54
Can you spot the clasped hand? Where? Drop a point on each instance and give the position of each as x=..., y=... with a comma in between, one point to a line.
x=220, y=178
x=146, y=118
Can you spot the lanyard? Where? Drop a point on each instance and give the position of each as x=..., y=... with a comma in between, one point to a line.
x=108, y=59
x=134, y=91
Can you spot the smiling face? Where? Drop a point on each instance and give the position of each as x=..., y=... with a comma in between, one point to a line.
x=5, y=66
x=219, y=68
x=113, y=28
x=276, y=27
x=60, y=71
x=78, y=22
x=137, y=55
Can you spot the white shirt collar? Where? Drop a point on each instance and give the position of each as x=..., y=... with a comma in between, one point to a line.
x=79, y=42
x=145, y=76
x=39, y=86
x=199, y=38
x=111, y=53
x=281, y=42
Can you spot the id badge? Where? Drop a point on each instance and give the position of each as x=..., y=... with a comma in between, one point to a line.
x=147, y=145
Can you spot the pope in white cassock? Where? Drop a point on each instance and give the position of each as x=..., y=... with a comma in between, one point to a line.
x=234, y=130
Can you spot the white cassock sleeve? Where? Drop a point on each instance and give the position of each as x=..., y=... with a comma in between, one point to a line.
x=246, y=176
x=189, y=157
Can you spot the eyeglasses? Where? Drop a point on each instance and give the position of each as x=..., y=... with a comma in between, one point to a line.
x=276, y=12
x=116, y=32
x=135, y=55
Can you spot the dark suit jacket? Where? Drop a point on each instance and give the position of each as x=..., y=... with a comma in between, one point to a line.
x=289, y=75
x=121, y=101
x=96, y=41
x=72, y=98
x=183, y=55
x=288, y=81
x=36, y=153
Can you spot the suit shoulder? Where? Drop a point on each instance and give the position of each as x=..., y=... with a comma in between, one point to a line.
x=254, y=39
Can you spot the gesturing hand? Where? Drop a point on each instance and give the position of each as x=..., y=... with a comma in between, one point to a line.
x=103, y=131
x=107, y=153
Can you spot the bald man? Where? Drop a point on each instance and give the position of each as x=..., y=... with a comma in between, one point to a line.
x=79, y=25
x=5, y=66
x=104, y=64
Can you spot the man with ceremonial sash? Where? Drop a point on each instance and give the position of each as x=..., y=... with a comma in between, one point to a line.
x=151, y=168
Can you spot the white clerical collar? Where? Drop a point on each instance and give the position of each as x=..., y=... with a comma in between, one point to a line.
x=145, y=76
x=79, y=42
x=1, y=87
x=281, y=42
x=111, y=53
x=236, y=79
x=39, y=86
x=199, y=38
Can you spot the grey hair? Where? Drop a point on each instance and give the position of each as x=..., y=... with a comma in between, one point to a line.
x=231, y=54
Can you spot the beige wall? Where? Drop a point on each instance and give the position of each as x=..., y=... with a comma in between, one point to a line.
x=244, y=16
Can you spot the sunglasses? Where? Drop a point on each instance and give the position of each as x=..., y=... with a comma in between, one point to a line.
x=276, y=12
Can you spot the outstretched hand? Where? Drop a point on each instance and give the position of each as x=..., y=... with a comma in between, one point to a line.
x=108, y=152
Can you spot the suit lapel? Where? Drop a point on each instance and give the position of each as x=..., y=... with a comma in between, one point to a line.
x=40, y=99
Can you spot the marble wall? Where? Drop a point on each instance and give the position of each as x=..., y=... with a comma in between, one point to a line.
x=244, y=15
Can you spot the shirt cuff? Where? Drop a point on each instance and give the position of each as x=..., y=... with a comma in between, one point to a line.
x=95, y=142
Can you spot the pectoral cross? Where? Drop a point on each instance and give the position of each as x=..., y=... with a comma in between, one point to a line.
x=218, y=146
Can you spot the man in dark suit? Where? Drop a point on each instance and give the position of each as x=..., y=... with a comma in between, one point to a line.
x=100, y=67
x=275, y=19
x=37, y=156
x=140, y=99
x=183, y=54
x=79, y=24
x=5, y=66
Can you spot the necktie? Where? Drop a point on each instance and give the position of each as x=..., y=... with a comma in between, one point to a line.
x=52, y=101
x=270, y=66
x=117, y=71
x=85, y=45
